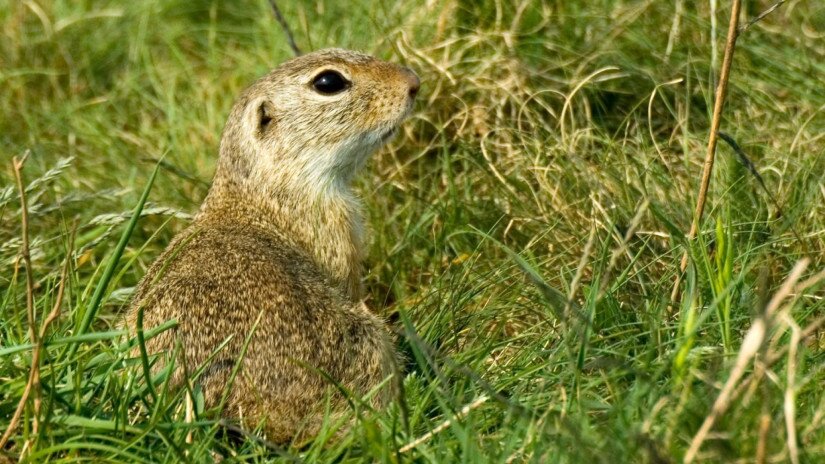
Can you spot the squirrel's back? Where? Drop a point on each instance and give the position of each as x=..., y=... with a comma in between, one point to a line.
x=243, y=297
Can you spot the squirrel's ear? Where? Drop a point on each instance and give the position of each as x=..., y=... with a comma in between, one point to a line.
x=264, y=114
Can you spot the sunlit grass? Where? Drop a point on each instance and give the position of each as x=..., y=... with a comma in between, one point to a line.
x=525, y=228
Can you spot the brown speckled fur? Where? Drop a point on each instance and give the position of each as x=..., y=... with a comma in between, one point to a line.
x=280, y=236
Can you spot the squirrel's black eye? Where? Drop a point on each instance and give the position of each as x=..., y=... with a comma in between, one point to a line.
x=330, y=82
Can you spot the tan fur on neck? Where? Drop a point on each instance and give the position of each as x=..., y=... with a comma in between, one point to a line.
x=329, y=228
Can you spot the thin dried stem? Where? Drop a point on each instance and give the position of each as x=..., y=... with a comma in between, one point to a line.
x=24, y=249
x=287, y=31
x=574, y=284
x=189, y=418
x=761, y=16
x=622, y=248
x=33, y=382
x=710, y=155
x=44, y=327
x=772, y=357
x=17, y=166
x=789, y=405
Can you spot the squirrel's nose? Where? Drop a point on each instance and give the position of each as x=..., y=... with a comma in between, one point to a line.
x=412, y=81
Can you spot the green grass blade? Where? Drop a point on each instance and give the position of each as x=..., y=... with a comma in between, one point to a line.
x=100, y=290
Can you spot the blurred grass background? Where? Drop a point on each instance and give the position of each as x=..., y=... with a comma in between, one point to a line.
x=555, y=153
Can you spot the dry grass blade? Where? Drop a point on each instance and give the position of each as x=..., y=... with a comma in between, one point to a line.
x=762, y=444
x=710, y=156
x=440, y=427
x=750, y=346
x=674, y=28
x=772, y=357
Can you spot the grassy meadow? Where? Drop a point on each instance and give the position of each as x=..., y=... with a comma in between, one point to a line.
x=526, y=226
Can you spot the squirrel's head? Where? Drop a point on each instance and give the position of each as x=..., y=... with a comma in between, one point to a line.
x=312, y=122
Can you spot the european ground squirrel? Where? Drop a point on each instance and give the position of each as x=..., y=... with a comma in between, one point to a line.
x=279, y=237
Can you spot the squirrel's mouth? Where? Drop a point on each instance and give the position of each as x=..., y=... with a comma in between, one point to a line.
x=387, y=133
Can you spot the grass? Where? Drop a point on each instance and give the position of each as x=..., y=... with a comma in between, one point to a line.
x=526, y=227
